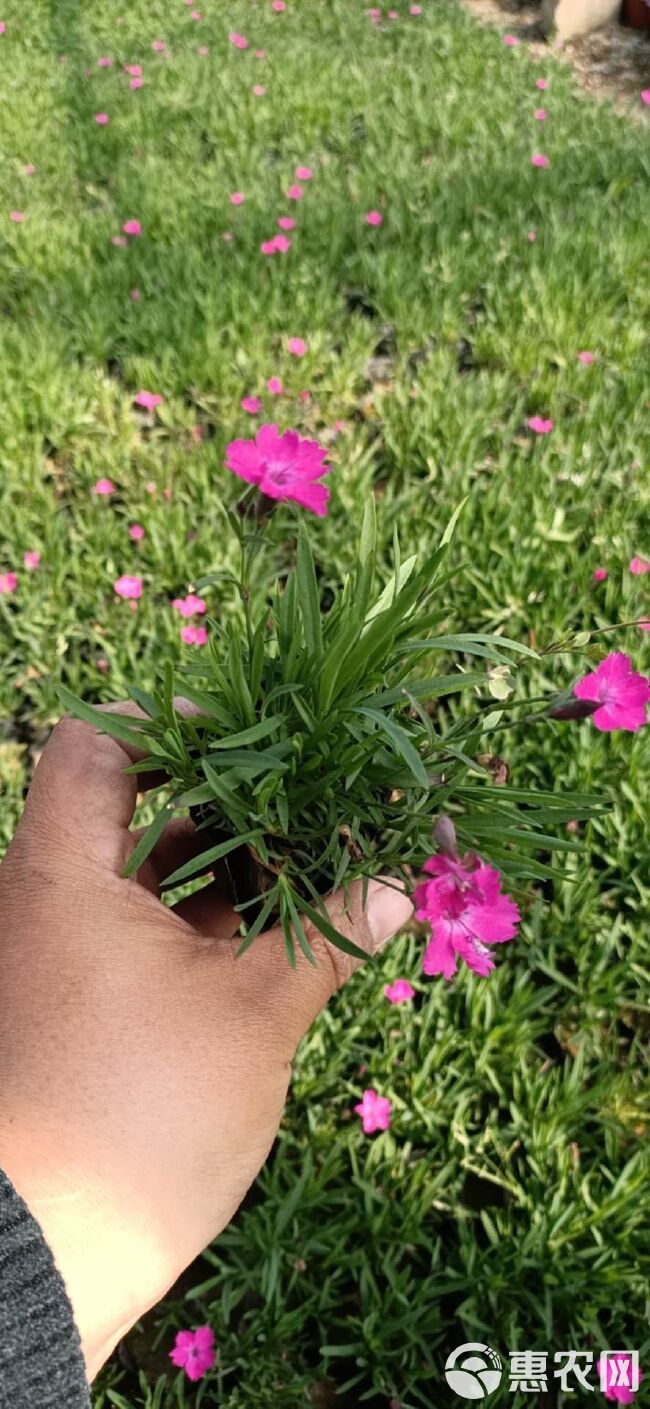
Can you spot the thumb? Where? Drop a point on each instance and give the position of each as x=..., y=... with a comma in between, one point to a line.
x=294, y=996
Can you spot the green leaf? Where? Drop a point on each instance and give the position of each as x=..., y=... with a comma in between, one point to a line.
x=106, y=723
x=449, y=531
x=207, y=858
x=250, y=736
x=401, y=741
x=258, y=924
x=297, y=922
x=308, y=595
x=148, y=840
x=392, y=589
x=322, y=923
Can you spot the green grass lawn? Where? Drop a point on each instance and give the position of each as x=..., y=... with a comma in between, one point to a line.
x=509, y=1201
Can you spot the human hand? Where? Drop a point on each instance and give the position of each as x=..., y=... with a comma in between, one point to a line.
x=143, y=1067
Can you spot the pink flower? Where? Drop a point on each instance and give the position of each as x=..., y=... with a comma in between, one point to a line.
x=540, y=160
x=134, y=70
x=304, y=395
x=132, y=227
x=612, y=1368
x=29, y=169
x=151, y=486
x=278, y=6
x=304, y=173
x=134, y=295
x=105, y=62
x=260, y=53
x=415, y=10
x=196, y=15
x=599, y=575
x=282, y=244
x=126, y=586
x=621, y=694
x=191, y=605
x=203, y=50
x=136, y=532
x=510, y=40
x=586, y=358
x=542, y=84
x=467, y=911
x=540, y=425
x=259, y=90
x=194, y=1352
x=638, y=566
x=251, y=404
x=393, y=15
x=540, y=114
x=136, y=82
x=104, y=486
x=17, y=216
x=374, y=1111
x=158, y=46
x=374, y=217
x=237, y=198
x=194, y=635
x=283, y=465
x=295, y=193
x=644, y=624
x=286, y=222
x=101, y=119
x=149, y=400
x=268, y=246
x=2, y=27
x=8, y=583
x=532, y=236
x=239, y=41
x=274, y=385
x=645, y=96
x=399, y=992
x=297, y=347
x=32, y=559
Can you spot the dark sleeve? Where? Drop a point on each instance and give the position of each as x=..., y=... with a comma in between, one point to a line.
x=41, y=1364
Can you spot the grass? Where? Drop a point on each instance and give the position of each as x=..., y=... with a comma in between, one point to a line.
x=509, y=1201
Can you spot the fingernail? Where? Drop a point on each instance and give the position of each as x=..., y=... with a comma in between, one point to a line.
x=389, y=909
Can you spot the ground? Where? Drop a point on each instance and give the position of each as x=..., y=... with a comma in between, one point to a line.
x=508, y=1202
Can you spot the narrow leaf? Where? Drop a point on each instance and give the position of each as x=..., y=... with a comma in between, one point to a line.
x=148, y=840
x=206, y=859
x=116, y=725
x=308, y=595
x=401, y=741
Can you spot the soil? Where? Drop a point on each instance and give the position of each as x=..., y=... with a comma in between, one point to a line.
x=613, y=63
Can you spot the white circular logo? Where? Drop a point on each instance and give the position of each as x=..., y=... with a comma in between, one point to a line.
x=473, y=1370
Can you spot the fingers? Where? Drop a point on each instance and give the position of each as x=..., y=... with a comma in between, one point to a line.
x=295, y=996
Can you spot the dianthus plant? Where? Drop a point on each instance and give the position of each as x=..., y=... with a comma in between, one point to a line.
x=315, y=745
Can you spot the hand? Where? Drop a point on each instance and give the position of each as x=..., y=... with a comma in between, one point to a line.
x=143, y=1067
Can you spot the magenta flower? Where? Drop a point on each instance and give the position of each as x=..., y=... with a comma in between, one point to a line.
x=304, y=173
x=467, y=911
x=609, y=1370
x=415, y=10
x=135, y=70
x=136, y=82
x=399, y=992
x=101, y=119
x=259, y=90
x=134, y=295
x=541, y=83
x=295, y=193
x=237, y=198
x=645, y=96
x=194, y=1352
x=17, y=216
x=374, y=1111
x=620, y=693
x=136, y=532
x=194, y=635
x=8, y=583
x=586, y=358
x=374, y=217
x=274, y=386
x=278, y=6
x=104, y=486
x=297, y=347
x=540, y=114
x=540, y=425
x=540, y=160
x=32, y=559
x=191, y=605
x=239, y=40
x=251, y=404
x=132, y=227
x=268, y=246
x=286, y=223
x=599, y=575
x=282, y=244
x=159, y=46
x=129, y=587
x=639, y=566
x=105, y=62
x=149, y=400
x=284, y=466
x=510, y=40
